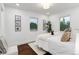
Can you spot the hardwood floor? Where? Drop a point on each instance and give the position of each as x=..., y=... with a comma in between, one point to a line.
x=25, y=49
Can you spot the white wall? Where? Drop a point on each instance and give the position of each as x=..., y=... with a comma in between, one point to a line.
x=25, y=35
x=1, y=19
x=74, y=15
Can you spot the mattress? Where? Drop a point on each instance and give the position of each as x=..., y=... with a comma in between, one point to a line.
x=53, y=44
x=46, y=36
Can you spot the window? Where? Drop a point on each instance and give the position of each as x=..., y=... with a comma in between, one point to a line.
x=64, y=23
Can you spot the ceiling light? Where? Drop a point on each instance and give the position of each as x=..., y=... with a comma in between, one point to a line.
x=17, y=4
x=46, y=5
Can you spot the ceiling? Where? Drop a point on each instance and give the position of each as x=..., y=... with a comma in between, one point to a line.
x=36, y=7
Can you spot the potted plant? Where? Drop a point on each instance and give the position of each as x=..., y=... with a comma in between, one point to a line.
x=49, y=28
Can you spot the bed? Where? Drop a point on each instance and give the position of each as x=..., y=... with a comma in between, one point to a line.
x=53, y=44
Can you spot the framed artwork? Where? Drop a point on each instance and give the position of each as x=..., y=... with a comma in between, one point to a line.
x=17, y=23
x=33, y=23
x=44, y=25
x=64, y=23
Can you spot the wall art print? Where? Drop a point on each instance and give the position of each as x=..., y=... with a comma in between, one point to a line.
x=17, y=23
x=33, y=23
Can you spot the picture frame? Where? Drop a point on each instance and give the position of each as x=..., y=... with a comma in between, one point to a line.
x=44, y=25
x=33, y=24
x=17, y=23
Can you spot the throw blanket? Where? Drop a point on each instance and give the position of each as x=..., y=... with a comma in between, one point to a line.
x=2, y=48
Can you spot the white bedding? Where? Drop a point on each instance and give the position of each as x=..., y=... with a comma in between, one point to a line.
x=53, y=44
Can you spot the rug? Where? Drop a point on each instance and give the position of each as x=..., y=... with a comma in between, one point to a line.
x=25, y=49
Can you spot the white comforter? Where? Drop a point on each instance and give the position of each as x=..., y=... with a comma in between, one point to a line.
x=53, y=44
